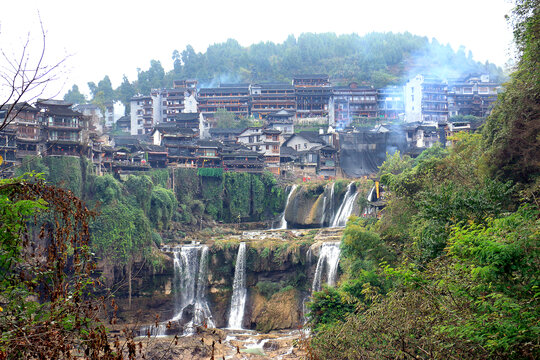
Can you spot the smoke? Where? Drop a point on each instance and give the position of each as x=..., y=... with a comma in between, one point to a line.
x=442, y=62
x=218, y=79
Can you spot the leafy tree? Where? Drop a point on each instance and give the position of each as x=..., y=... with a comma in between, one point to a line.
x=45, y=289
x=74, y=96
x=121, y=233
x=125, y=92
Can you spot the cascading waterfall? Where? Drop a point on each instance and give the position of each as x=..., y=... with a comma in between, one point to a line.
x=189, y=283
x=329, y=260
x=283, y=222
x=238, y=300
x=328, y=203
x=346, y=207
x=201, y=311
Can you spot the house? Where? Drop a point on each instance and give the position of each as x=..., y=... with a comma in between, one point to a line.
x=264, y=141
x=241, y=159
x=281, y=120
x=312, y=95
x=124, y=124
x=61, y=127
x=426, y=100
x=304, y=140
x=473, y=95
x=142, y=115
x=351, y=102
x=179, y=142
x=208, y=153
x=226, y=136
x=391, y=103
x=235, y=98
x=267, y=98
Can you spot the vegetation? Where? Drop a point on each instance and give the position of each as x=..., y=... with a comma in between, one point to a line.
x=451, y=269
x=46, y=310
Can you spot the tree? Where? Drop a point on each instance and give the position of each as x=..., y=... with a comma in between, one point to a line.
x=125, y=92
x=74, y=96
x=45, y=275
x=24, y=77
x=512, y=132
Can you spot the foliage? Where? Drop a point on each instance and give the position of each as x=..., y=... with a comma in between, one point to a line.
x=106, y=189
x=512, y=131
x=120, y=232
x=163, y=205
x=74, y=96
x=44, y=290
x=66, y=172
x=140, y=187
x=267, y=288
x=210, y=172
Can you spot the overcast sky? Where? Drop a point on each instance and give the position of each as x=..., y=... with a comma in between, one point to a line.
x=116, y=37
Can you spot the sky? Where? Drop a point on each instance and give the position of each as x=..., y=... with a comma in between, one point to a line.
x=115, y=37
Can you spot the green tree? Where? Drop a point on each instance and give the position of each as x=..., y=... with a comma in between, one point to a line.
x=74, y=96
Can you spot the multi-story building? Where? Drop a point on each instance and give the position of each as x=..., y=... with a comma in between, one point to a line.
x=235, y=98
x=426, y=100
x=312, y=95
x=23, y=120
x=142, y=115
x=281, y=120
x=391, y=103
x=264, y=141
x=267, y=98
x=473, y=95
x=61, y=127
x=352, y=102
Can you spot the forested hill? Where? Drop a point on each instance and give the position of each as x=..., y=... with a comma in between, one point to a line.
x=376, y=59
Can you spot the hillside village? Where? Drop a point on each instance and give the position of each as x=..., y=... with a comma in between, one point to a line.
x=178, y=127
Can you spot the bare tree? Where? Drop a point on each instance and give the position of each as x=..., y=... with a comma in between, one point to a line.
x=24, y=76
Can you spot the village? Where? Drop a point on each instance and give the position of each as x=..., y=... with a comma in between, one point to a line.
x=306, y=129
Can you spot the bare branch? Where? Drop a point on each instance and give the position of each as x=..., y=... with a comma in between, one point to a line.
x=25, y=79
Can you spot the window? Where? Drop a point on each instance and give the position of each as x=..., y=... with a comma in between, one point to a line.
x=305, y=145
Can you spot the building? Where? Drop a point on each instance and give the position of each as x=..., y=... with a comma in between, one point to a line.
x=312, y=95
x=391, y=103
x=235, y=98
x=264, y=141
x=474, y=95
x=240, y=159
x=61, y=127
x=281, y=120
x=352, y=102
x=23, y=119
x=267, y=98
x=142, y=115
x=426, y=100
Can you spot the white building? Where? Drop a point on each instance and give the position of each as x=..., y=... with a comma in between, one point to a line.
x=426, y=100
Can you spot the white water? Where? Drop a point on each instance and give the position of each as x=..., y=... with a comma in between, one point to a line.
x=328, y=202
x=238, y=300
x=189, y=284
x=346, y=207
x=329, y=261
x=283, y=222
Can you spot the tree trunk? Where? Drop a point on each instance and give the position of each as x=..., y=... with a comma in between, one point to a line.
x=129, y=283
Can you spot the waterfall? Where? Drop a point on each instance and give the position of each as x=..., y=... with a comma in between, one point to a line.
x=329, y=259
x=283, y=222
x=346, y=207
x=328, y=204
x=189, y=284
x=238, y=300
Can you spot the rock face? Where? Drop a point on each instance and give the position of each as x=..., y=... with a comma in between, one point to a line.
x=281, y=311
x=315, y=206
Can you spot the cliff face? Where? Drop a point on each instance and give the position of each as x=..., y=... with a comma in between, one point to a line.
x=280, y=268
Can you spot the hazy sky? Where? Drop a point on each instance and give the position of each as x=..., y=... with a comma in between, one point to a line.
x=116, y=37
